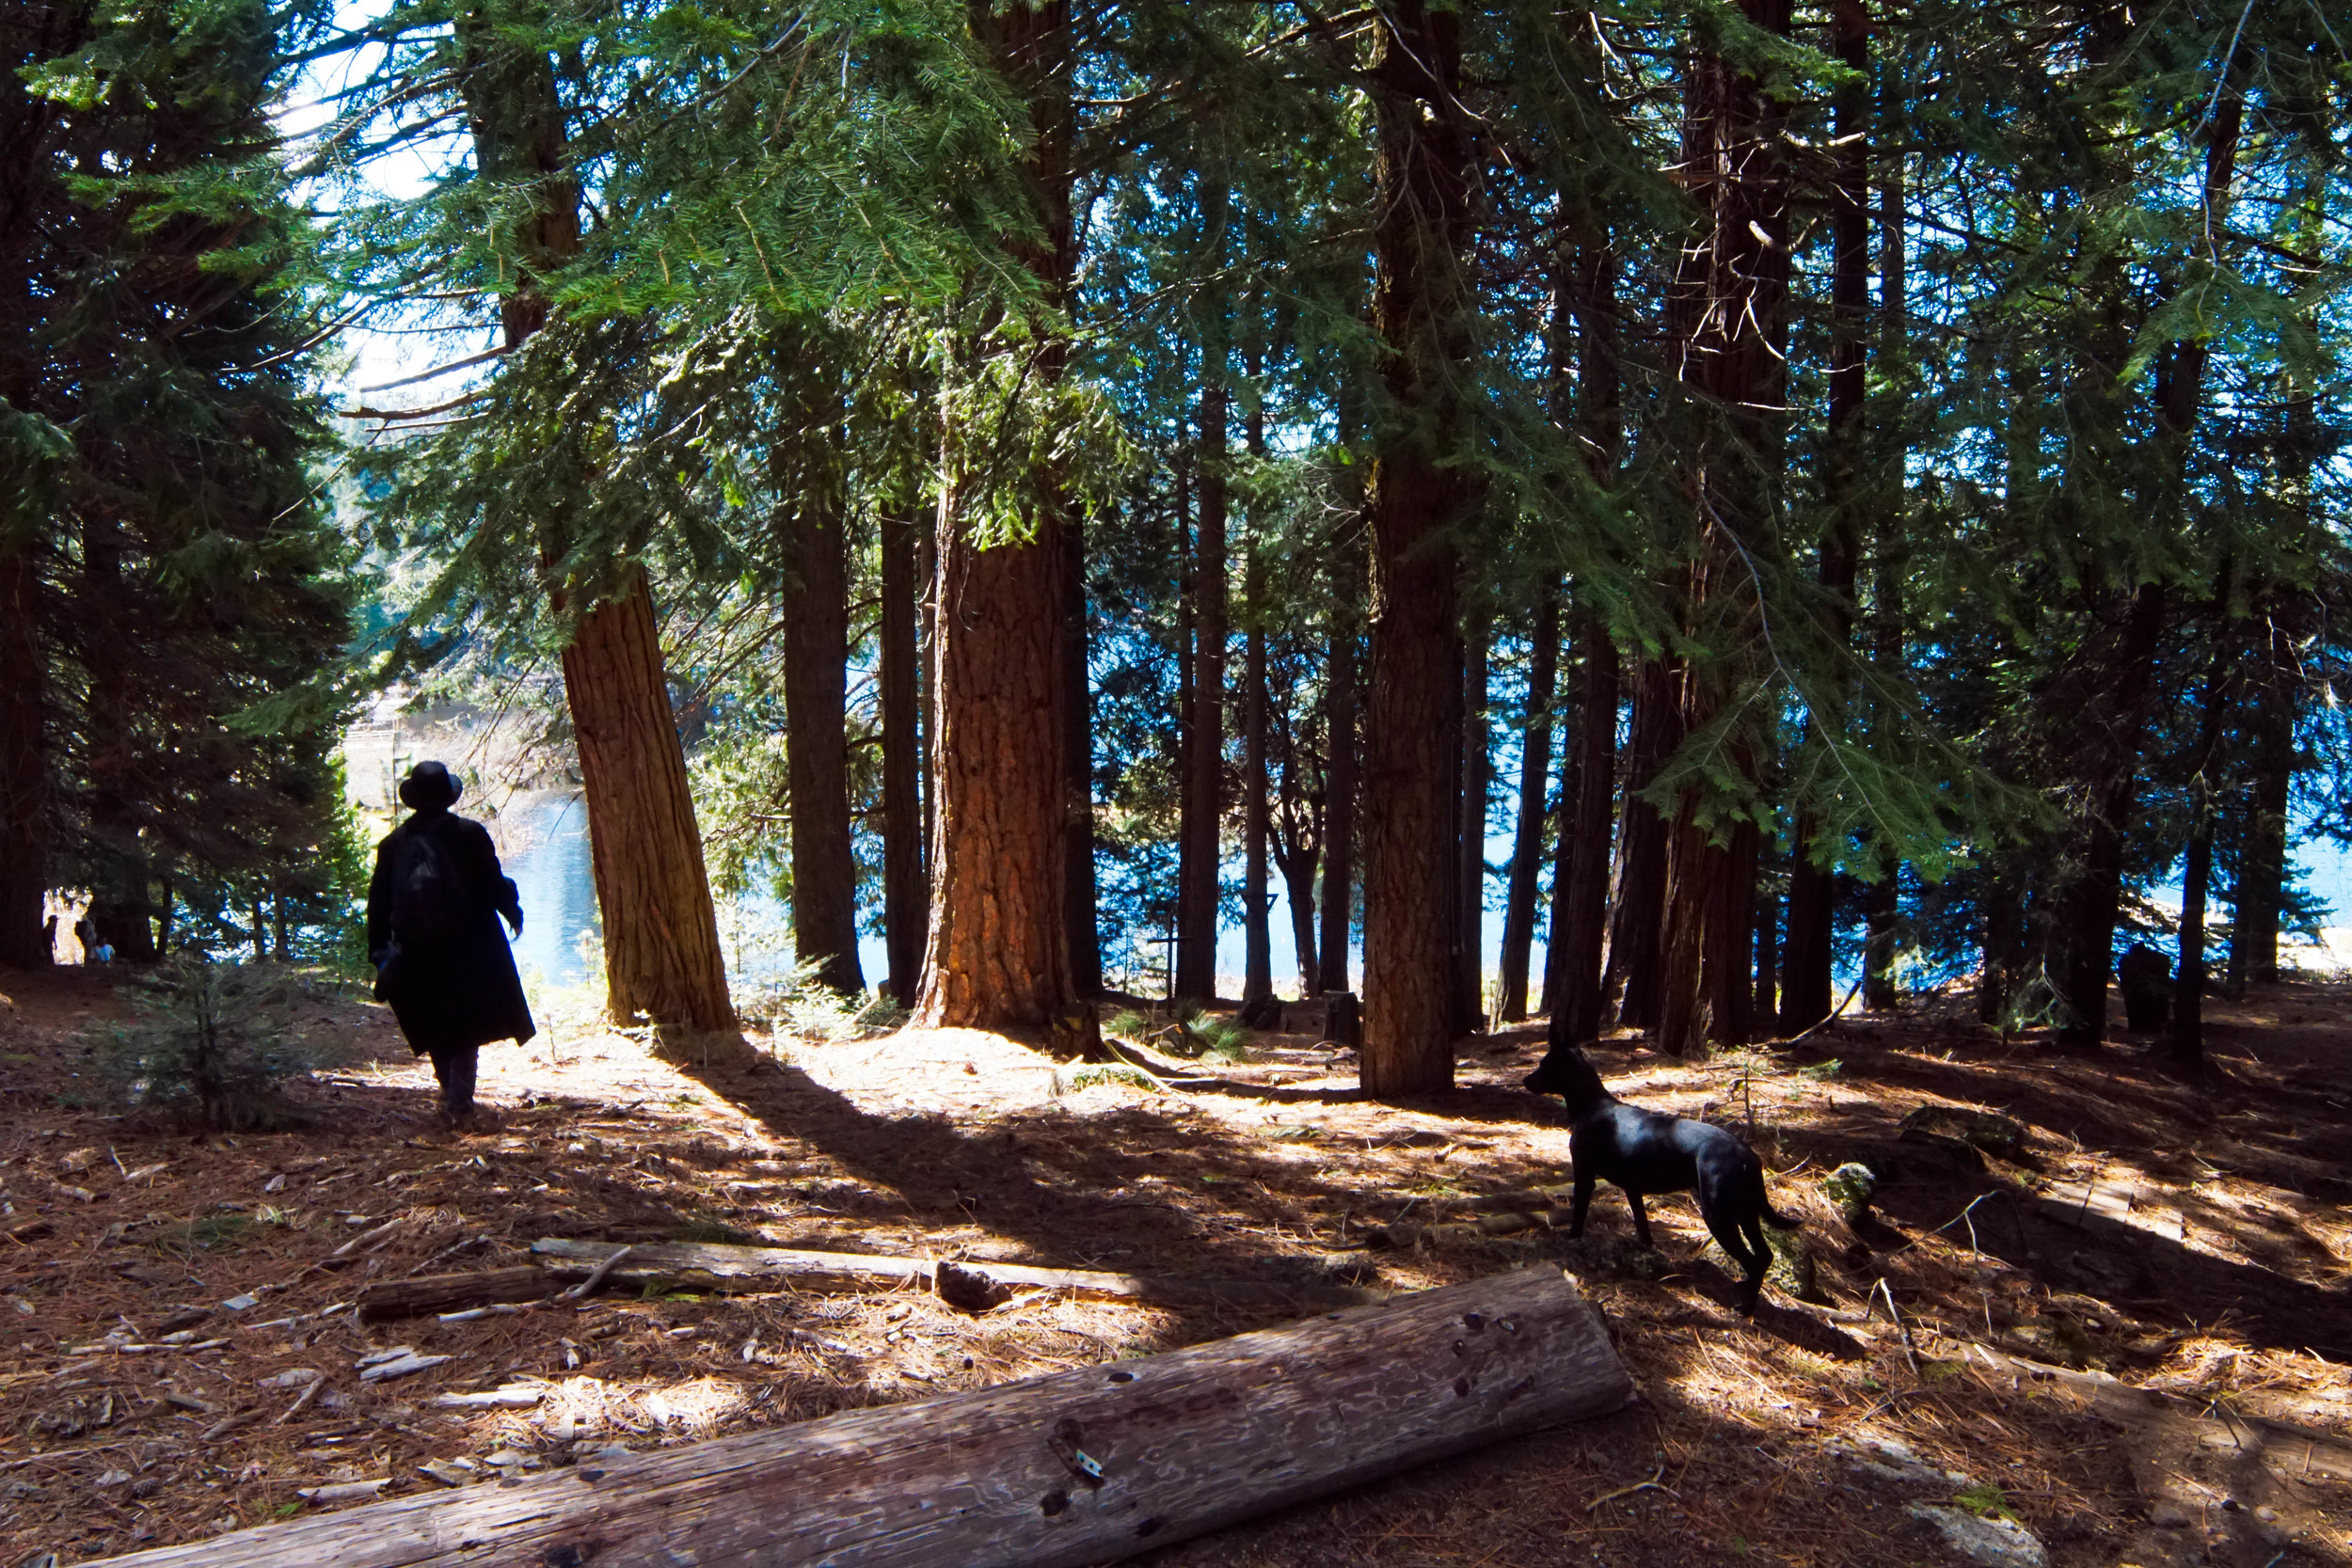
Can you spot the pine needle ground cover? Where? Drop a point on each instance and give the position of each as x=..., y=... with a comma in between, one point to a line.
x=2164, y=1385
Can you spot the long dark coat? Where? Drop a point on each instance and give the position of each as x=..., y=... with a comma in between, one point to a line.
x=457, y=993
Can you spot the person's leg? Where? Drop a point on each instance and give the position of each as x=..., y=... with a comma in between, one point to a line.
x=455, y=1067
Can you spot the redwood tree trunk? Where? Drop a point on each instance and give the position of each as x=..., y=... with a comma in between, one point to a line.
x=1200, y=847
x=1527, y=845
x=1420, y=302
x=815, y=661
x=999, y=949
x=904, y=905
x=662, y=955
x=661, y=952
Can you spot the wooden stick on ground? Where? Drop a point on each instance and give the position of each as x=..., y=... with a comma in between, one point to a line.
x=1084, y=1466
x=598, y=1276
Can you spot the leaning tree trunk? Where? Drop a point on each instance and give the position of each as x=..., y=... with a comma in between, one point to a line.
x=1420, y=305
x=815, y=661
x=904, y=907
x=1527, y=845
x=661, y=954
x=999, y=949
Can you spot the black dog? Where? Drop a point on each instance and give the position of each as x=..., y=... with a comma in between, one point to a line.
x=1644, y=1152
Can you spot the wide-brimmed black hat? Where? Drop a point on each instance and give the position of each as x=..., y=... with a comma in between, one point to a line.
x=429, y=787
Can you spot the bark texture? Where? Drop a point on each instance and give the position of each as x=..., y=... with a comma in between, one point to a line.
x=1470, y=888
x=1419, y=299
x=661, y=954
x=1257, y=929
x=1055, y=1472
x=999, y=951
x=23, y=763
x=662, y=958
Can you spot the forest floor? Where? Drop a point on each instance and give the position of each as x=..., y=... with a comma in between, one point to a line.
x=2167, y=1386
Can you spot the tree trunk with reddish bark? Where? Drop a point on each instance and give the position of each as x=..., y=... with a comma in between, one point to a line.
x=999, y=949
x=1421, y=301
x=1638, y=879
x=662, y=959
x=23, y=763
x=1086, y=942
x=1201, y=840
x=1470, y=888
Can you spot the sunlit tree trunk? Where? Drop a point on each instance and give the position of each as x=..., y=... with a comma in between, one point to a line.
x=1423, y=159
x=662, y=959
x=999, y=935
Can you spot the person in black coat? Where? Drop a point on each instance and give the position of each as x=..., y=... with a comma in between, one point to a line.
x=441, y=962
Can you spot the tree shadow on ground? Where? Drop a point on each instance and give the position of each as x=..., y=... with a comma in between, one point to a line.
x=1131, y=1188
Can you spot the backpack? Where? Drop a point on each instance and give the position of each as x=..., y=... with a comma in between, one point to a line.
x=430, y=905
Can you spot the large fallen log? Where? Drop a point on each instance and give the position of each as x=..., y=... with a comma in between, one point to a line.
x=1079, y=1467
x=713, y=1267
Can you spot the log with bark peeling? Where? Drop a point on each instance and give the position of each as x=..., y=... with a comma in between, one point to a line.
x=1083, y=1467
x=452, y=1292
x=714, y=1267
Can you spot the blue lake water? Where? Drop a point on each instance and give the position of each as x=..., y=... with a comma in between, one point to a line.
x=543, y=838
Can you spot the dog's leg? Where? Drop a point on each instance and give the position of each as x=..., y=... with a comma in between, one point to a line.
x=1753, y=1259
x=1580, y=1201
x=1641, y=1220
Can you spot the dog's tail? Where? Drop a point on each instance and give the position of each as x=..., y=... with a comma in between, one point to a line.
x=1777, y=1220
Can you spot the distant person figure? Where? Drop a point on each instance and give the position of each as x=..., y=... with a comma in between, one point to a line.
x=85, y=933
x=49, y=936
x=106, y=954
x=433, y=931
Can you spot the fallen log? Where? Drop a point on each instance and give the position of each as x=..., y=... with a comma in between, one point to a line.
x=452, y=1292
x=1079, y=1467
x=713, y=1267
